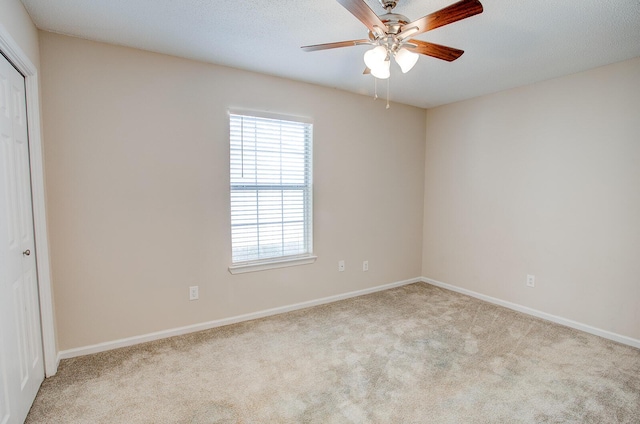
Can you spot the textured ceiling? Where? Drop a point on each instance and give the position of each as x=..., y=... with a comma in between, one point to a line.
x=512, y=43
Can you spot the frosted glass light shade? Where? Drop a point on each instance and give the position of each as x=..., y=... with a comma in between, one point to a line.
x=374, y=57
x=406, y=59
x=381, y=71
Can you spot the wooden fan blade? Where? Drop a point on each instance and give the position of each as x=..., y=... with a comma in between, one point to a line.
x=435, y=50
x=450, y=14
x=363, y=12
x=366, y=71
x=334, y=45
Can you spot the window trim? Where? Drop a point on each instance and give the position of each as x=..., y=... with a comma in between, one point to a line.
x=268, y=115
x=280, y=261
x=273, y=263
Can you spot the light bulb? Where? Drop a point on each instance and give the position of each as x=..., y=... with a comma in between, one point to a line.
x=374, y=57
x=406, y=59
x=381, y=71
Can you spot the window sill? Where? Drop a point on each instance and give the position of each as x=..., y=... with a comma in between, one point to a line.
x=241, y=268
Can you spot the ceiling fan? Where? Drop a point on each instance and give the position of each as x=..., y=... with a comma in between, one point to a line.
x=390, y=33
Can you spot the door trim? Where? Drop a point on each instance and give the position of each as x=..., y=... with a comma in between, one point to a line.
x=14, y=53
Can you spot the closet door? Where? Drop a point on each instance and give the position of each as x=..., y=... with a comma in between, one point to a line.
x=21, y=362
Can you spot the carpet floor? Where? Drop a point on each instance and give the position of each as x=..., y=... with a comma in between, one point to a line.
x=413, y=354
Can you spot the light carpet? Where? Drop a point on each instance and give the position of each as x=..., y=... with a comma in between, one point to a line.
x=414, y=354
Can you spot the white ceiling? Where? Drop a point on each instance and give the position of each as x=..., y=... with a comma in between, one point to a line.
x=512, y=43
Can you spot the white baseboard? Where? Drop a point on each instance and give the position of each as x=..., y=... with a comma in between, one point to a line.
x=529, y=311
x=130, y=341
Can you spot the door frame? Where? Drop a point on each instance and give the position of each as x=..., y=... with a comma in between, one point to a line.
x=19, y=59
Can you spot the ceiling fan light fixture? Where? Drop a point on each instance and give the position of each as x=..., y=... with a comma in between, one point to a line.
x=406, y=59
x=375, y=57
x=381, y=70
x=389, y=34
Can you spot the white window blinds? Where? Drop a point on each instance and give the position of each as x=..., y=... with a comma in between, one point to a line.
x=271, y=188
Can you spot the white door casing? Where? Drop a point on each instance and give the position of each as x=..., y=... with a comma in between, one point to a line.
x=10, y=48
x=21, y=362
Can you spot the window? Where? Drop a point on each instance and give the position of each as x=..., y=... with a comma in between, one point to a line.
x=271, y=192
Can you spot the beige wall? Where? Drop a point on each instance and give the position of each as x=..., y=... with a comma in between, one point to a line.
x=137, y=173
x=537, y=180
x=17, y=22
x=543, y=180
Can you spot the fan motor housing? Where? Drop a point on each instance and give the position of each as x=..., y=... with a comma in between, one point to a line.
x=393, y=22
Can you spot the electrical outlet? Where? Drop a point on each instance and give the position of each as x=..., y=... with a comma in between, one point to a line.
x=193, y=293
x=341, y=266
x=531, y=280
x=365, y=266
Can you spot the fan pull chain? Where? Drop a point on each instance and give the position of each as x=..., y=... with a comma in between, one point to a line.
x=375, y=88
x=388, y=93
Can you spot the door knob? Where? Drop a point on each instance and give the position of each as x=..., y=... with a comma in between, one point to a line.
x=26, y=252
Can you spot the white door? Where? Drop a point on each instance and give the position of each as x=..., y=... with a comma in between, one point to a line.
x=21, y=364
